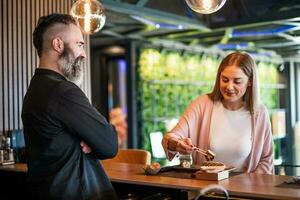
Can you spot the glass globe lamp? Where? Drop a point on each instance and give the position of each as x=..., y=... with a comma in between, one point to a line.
x=205, y=6
x=90, y=15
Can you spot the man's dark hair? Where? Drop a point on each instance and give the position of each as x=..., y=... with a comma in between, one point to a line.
x=44, y=23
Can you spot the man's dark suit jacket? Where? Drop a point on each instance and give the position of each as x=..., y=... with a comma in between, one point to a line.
x=57, y=116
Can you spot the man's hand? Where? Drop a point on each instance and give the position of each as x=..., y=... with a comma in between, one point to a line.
x=85, y=148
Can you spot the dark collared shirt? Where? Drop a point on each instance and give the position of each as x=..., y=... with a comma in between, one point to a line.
x=57, y=116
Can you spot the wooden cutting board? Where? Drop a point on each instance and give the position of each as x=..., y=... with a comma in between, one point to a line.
x=194, y=172
x=212, y=176
x=178, y=174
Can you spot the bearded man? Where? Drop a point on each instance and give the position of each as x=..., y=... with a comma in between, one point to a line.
x=64, y=134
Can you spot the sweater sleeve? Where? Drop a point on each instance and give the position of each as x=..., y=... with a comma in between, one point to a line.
x=266, y=161
x=183, y=127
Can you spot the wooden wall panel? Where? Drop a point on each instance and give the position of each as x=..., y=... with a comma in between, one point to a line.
x=23, y=46
x=18, y=58
x=1, y=66
x=19, y=62
x=14, y=69
x=5, y=66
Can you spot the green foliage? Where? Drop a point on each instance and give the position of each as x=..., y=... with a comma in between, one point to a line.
x=268, y=78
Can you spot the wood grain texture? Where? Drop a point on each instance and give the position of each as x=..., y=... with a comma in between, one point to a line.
x=243, y=185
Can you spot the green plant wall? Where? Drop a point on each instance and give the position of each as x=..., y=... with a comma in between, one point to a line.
x=268, y=79
x=169, y=81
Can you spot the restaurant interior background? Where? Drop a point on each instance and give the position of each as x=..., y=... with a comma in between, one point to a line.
x=153, y=57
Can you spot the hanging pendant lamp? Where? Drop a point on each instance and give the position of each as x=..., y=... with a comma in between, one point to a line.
x=90, y=15
x=205, y=6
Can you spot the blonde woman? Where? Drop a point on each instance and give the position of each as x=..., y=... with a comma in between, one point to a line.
x=230, y=121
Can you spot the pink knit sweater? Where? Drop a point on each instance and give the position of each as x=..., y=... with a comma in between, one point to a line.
x=195, y=124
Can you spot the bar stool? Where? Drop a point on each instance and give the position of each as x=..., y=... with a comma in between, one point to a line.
x=133, y=156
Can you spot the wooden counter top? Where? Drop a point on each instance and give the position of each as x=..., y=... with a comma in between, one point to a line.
x=244, y=185
x=20, y=167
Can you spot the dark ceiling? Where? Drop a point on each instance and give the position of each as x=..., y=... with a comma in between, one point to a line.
x=252, y=25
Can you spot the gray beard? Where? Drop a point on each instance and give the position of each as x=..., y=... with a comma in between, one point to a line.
x=71, y=68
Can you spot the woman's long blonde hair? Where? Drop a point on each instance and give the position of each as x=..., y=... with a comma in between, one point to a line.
x=247, y=64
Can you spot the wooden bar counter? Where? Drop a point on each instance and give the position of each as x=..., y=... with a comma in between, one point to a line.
x=249, y=186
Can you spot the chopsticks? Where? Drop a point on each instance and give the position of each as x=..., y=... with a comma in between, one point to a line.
x=197, y=149
x=209, y=155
